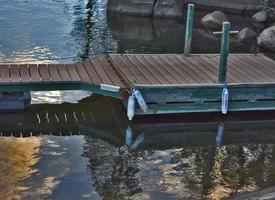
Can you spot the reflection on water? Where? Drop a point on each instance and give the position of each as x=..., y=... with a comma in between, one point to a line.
x=57, y=97
x=16, y=167
x=76, y=151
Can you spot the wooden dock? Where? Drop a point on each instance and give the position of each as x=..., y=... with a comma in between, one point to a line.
x=177, y=83
x=169, y=83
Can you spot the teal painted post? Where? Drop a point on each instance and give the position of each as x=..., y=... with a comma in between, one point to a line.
x=224, y=52
x=189, y=29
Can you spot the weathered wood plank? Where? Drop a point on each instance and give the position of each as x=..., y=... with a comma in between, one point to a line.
x=166, y=71
x=74, y=76
x=14, y=73
x=44, y=73
x=143, y=69
x=153, y=69
x=24, y=73
x=83, y=73
x=98, y=69
x=54, y=72
x=92, y=72
x=63, y=72
x=5, y=73
x=110, y=71
x=35, y=76
x=186, y=77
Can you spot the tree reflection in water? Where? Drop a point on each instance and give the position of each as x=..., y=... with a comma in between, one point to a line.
x=192, y=172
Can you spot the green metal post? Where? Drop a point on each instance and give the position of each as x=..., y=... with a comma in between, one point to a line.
x=224, y=52
x=189, y=29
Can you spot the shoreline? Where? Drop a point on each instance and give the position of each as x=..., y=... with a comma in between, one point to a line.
x=175, y=8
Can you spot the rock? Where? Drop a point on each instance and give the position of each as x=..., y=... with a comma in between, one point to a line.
x=260, y=17
x=131, y=7
x=258, y=27
x=267, y=38
x=271, y=14
x=246, y=35
x=168, y=8
x=214, y=20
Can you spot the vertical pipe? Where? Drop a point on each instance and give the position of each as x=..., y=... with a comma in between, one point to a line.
x=224, y=52
x=189, y=29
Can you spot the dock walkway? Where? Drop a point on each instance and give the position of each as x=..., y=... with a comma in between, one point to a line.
x=171, y=69
x=95, y=75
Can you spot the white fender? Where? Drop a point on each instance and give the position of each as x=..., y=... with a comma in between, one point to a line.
x=224, y=107
x=129, y=136
x=140, y=100
x=131, y=107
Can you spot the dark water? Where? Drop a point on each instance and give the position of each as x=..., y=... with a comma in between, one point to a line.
x=86, y=149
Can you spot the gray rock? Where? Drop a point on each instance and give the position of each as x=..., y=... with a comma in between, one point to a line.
x=168, y=8
x=267, y=38
x=271, y=14
x=260, y=16
x=214, y=20
x=131, y=7
x=258, y=27
x=247, y=35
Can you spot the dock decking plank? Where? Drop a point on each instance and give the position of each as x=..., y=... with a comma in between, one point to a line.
x=100, y=71
x=138, y=74
x=163, y=69
x=184, y=76
x=153, y=69
x=14, y=74
x=83, y=73
x=64, y=74
x=54, y=72
x=5, y=73
x=140, y=70
x=74, y=76
x=35, y=76
x=231, y=69
x=264, y=67
x=248, y=68
x=44, y=73
x=210, y=68
x=128, y=74
x=145, y=70
x=24, y=73
x=110, y=71
x=209, y=61
x=92, y=72
x=261, y=71
x=193, y=68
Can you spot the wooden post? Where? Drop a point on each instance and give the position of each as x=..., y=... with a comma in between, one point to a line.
x=189, y=29
x=224, y=52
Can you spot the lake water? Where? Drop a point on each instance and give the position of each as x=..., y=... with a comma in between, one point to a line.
x=76, y=145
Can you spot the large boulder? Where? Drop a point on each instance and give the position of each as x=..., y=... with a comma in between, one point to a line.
x=267, y=38
x=246, y=35
x=168, y=8
x=260, y=16
x=131, y=7
x=214, y=20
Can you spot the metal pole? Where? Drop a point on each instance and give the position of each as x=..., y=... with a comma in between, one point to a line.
x=189, y=29
x=224, y=52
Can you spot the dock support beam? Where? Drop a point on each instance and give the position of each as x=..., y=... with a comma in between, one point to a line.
x=189, y=29
x=224, y=52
